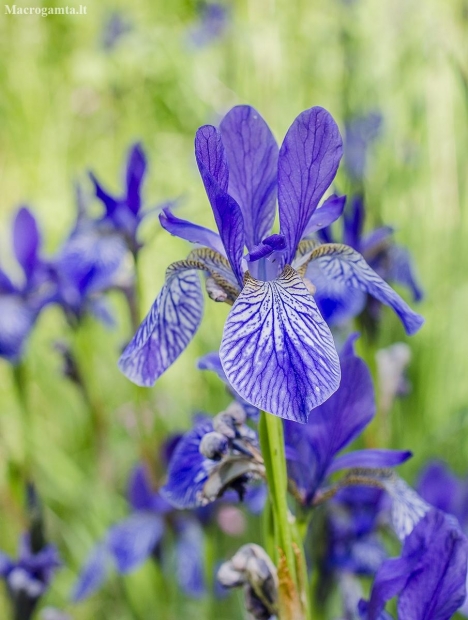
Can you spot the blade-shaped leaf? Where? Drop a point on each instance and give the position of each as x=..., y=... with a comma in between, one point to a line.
x=277, y=351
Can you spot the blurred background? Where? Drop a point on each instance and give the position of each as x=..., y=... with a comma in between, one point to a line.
x=77, y=91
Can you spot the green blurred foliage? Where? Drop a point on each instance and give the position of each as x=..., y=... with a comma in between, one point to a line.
x=68, y=105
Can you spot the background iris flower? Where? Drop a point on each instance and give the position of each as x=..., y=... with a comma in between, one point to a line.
x=277, y=351
x=21, y=304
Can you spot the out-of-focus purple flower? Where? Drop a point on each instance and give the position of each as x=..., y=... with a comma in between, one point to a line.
x=337, y=301
x=428, y=578
x=360, y=132
x=212, y=23
x=129, y=543
x=115, y=27
x=123, y=214
x=91, y=262
x=311, y=450
x=21, y=304
x=28, y=577
x=441, y=488
x=214, y=456
x=277, y=351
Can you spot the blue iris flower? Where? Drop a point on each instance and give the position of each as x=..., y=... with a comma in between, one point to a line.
x=28, y=577
x=277, y=351
x=21, y=304
x=429, y=576
x=313, y=450
x=337, y=303
x=93, y=260
x=441, y=488
x=140, y=536
x=124, y=214
x=211, y=25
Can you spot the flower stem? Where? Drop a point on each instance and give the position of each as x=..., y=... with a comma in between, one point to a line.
x=293, y=601
x=21, y=384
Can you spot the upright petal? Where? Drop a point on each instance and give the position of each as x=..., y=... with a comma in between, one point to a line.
x=277, y=351
x=135, y=171
x=166, y=331
x=133, y=540
x=211, y=160
x=26, y=240
x=344, y=265
x=308, y=161
x=353, y=225
x=332, y=426
x=109, y=202
x=252, y=155
x=325, y=215
x=191, y=232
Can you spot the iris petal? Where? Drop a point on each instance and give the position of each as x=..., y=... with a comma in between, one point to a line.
x=133, y=540
x=211, y=160
x=277, y=351
x=92, y=575
x=369, y=458
x=308, y=161
x=188, y=469
x=26, y=240
x=166, y=331
x=190, y=558
x=136, y=168
x=191, y=232
x=325, y=215
x=343, y=264
x=252, y=155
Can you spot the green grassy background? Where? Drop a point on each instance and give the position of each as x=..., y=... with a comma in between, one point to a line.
x=67, y=105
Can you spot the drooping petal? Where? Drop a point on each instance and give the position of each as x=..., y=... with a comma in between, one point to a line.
x=26, y=240
x=430, y=575
x=252, y=155
x=190, y=557
x=188, y=469
x=93, y=573
x=135, y=171
x=191, y=232
x=370, y=459
x=276, y=351
x=325, y=215
x=337, y=302
x=133, y=540
x=344, y=265
x=375, y=241
x=332, y=426
x=212, y=164
x=166, y=331
x=308, y=161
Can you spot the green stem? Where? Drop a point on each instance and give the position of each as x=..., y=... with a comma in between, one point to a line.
x=293, y=599
x=21, y=384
